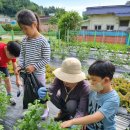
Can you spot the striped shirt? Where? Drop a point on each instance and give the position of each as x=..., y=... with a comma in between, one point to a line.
x=35, y=51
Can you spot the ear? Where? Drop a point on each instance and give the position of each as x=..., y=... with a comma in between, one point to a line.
x=34, y=24
x=106, y=79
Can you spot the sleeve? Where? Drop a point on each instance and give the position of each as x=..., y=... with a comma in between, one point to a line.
x=21, y=57
x=82, y=109
x=45, y=56
x=55, y=87
x=109, y=108
x=13, y=60
x=54, y=90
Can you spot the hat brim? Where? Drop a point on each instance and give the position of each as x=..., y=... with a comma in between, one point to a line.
x=70, y=78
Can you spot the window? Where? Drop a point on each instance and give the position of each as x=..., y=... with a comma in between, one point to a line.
x=110, y=27
x=97, y=27
x=84, y=27
x=124, y=23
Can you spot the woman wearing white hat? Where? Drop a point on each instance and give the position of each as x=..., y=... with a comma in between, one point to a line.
x=69, y=91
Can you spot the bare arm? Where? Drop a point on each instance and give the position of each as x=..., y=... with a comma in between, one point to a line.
x=96, y=117
x=18, y=80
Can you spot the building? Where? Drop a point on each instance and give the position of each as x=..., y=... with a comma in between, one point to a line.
x=107, y=18
x=45, y=19
x=4, y=19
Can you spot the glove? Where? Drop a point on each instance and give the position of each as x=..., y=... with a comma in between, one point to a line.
x=20, y=91
x=42, y=92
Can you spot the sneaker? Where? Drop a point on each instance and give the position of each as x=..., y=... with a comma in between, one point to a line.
x=12, y=101
x=62, y=117
x=45, y=114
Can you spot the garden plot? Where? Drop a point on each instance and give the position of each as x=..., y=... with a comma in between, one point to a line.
x=15, y=112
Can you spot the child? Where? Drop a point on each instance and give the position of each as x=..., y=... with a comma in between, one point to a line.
x=35, y=50
x=8, y=52
x=103, y=100
x=70, y=82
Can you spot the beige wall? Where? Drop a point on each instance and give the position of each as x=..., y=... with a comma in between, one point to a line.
x=86, y=23
x=104, y=20
x=124, y=18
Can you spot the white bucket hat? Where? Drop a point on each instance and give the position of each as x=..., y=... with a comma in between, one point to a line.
x=70, y=71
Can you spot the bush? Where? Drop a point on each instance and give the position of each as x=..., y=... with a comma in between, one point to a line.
x=3, y=98
x=122, y=86
x=9, y=27
x=16, y=28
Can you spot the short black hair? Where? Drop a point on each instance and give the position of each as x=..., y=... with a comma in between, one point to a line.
x=14, y=48
x=102, y=69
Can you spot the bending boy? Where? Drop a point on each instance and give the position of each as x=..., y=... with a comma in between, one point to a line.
x=9, y=51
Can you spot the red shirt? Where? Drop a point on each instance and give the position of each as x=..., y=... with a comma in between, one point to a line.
x=3, y=58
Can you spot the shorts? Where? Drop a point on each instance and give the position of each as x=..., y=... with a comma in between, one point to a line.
x=5, y=71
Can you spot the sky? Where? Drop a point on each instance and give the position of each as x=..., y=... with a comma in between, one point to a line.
x=78, y=5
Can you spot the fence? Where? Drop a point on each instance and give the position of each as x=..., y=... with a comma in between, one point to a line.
x=118, y=37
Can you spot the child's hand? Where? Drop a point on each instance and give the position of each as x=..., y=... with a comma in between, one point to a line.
x=66, y=124
x=30, y=68
x=18, y=82
x=16, y=71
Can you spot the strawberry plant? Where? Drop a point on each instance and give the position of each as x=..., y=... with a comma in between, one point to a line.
x=32, y=117
x=3, y=97
x=52, y=125
x=1, y=127
x=122, y=86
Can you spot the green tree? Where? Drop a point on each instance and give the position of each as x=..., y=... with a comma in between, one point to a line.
x=68, y=21
x=11, y=7
x=85, y=16
x=59, y=12
x=53, y=20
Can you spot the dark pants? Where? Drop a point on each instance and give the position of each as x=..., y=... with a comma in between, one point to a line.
x=66, y=107
x=5, y=71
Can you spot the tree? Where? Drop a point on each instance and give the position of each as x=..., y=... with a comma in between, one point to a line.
x=11, y=7
x=58, y=13
x=85, y=16
x=53, y=20
x=68, y=21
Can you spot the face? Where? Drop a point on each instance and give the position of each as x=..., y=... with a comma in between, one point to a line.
x=96, y=83
x=10, y=56
x=29, y=30
x=69, y=85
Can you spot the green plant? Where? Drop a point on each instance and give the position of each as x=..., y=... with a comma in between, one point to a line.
x=1, y=127
x=82, y=53
x=3, y=98
x=32, y=117
x=49, y=75
x=68, y=21
x=52, y=125
x=122, y=86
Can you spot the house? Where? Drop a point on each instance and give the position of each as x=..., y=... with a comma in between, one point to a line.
x=4, y=19
x=107, y=18
x=45, y=19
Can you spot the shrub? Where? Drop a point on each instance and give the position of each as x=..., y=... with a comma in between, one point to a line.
x=3, y=98
x=122, y=86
